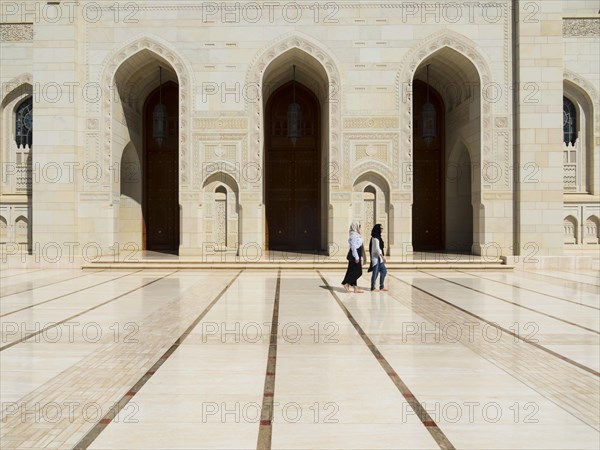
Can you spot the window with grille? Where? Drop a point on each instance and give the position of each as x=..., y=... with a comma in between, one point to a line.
x=24, y=123
x=569, y=122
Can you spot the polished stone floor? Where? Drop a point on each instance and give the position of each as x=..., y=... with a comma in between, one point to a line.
x=155, y=359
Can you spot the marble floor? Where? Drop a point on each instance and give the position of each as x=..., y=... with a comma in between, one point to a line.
x=286, y=359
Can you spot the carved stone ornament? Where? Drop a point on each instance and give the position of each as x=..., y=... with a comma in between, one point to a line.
x=587, y=27
x=16, y=32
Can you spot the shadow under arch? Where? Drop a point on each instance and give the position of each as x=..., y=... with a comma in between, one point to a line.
x=149, y=214
x=456, y=80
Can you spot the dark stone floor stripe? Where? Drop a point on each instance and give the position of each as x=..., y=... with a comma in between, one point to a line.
x=529, y=290
x=595, y=275
x=50, y=284
x=20, y=274
x=91, y=436
x=55, y=324
x=596, y=285
x=511, y=303
x=427, y=421
x=504, y=330
x=265, y=430
x=70, y=293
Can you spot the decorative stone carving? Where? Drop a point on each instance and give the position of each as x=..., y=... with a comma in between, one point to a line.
x=385, y=123
x=378, y=152
x=501, y=122
x=220, y=123
x=92, y=152
x=16, y=32
x=583, y=27
x=220, y=152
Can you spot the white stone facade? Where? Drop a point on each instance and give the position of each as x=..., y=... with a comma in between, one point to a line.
x=511, y=185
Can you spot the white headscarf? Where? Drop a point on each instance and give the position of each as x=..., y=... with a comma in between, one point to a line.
x=355, y=228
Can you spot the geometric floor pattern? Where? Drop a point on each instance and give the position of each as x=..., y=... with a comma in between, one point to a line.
x=286, y=359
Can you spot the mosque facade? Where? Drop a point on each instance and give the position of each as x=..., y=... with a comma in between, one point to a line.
x=235, y=128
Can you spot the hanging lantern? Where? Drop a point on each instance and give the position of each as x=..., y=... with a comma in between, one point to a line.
x=294, y=116
x=428, y=118
x=159, y=117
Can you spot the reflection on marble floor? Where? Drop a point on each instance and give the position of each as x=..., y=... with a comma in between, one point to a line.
x=169, y=359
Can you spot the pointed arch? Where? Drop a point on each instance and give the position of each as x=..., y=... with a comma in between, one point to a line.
x=22, y=230
x=163, y=51
x=581, y=156
x=460, y=57
x=16, y=87
x=13, y=93
x=321, y=67
x=589, y=91
x=571, y=228
x=371, y=201
x=221, y=223
x=255, y=77
x=592, y=230
x=3, y=230
x=404, y=79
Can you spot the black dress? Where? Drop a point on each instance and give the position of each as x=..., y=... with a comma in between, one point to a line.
x=354, y=271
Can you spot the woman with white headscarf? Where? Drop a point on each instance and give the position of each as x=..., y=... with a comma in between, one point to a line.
x=354, y=257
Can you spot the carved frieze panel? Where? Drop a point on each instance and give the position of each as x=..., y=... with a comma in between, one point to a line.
x=371, y=152
x=16, y=32
x=221, y=152
x=384, y=123
x=205, y=124
x=583, y=27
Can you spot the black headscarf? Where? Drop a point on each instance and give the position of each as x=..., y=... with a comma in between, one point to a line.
x=376, y=233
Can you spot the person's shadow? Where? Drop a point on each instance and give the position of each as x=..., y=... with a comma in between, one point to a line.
x=334, y=289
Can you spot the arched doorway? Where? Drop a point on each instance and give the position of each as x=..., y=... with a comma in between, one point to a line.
x=161, y=168
x=428, y=212
x=293, y=172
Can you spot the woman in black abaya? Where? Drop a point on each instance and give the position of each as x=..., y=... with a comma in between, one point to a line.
x=354, y=257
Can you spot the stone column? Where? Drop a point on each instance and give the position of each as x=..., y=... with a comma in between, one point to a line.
x=400, y=240
x=56, y=153
x=539, y=74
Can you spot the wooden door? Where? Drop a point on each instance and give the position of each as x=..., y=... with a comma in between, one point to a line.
x=293, y=173
x=161, y=179
x=428, y=215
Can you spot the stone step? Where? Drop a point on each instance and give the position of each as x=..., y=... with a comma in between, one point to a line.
x=294, y=265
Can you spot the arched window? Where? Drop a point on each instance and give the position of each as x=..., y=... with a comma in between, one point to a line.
x=3, y=230
x=569, y=122
x=577, y=139
x=24, y=124
x=221, y=217
x=570, y=229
